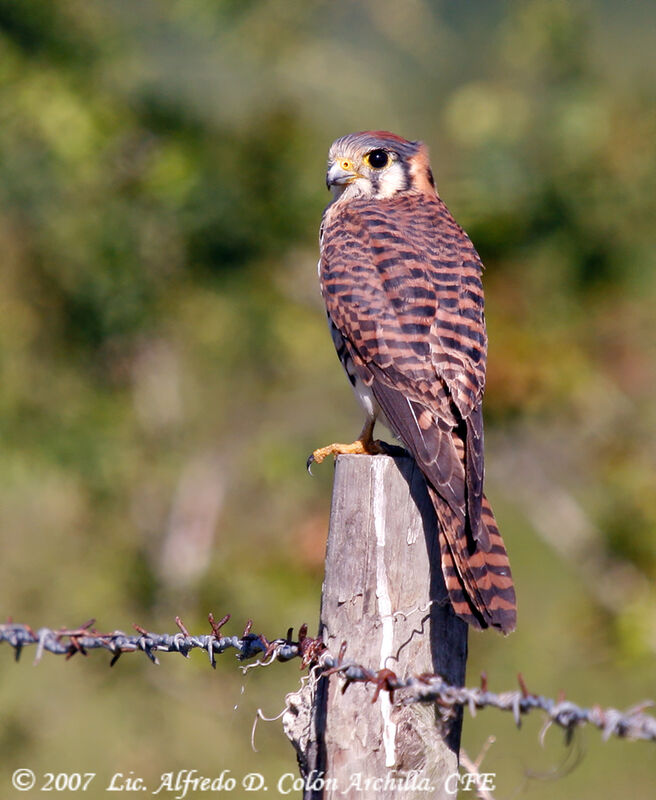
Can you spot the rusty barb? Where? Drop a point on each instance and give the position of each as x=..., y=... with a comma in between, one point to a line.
x=633, y=723
x=69, y=641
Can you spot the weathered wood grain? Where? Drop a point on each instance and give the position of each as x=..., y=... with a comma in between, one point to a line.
x=384, y=594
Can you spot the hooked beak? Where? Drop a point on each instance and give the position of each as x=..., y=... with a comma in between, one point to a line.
x=340, y=173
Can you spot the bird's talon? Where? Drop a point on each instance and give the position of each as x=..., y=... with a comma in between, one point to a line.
x=317, y=456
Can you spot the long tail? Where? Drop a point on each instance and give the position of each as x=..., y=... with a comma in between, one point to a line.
x=476, y=570
x=479, y=582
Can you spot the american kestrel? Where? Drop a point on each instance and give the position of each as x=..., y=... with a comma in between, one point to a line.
x=402, y=285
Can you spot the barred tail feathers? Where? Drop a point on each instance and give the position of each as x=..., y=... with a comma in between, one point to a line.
x=479, y=582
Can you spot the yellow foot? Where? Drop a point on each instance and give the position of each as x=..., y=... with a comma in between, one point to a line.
x=358, y=447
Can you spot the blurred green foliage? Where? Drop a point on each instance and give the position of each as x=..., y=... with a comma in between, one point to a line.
x=166, y=366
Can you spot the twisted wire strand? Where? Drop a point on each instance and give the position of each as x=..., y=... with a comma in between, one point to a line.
x=633, y=723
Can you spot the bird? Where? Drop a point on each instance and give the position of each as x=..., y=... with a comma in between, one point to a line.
x=401, y=282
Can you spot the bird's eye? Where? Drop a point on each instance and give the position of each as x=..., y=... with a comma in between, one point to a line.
x=378, y=159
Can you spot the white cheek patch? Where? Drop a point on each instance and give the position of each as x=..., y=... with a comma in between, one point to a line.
x=391, y=180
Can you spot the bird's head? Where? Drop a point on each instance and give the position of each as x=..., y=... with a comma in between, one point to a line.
x=377, y=164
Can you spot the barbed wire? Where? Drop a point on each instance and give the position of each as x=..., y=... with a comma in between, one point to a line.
x=633, y=723
x=69, y=641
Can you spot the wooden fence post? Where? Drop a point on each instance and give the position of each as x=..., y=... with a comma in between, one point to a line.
x=384, y=595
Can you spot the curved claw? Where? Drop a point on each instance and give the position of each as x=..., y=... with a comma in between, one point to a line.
x=309, y=463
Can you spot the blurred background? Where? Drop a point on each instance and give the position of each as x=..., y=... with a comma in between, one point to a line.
x=166, y=366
